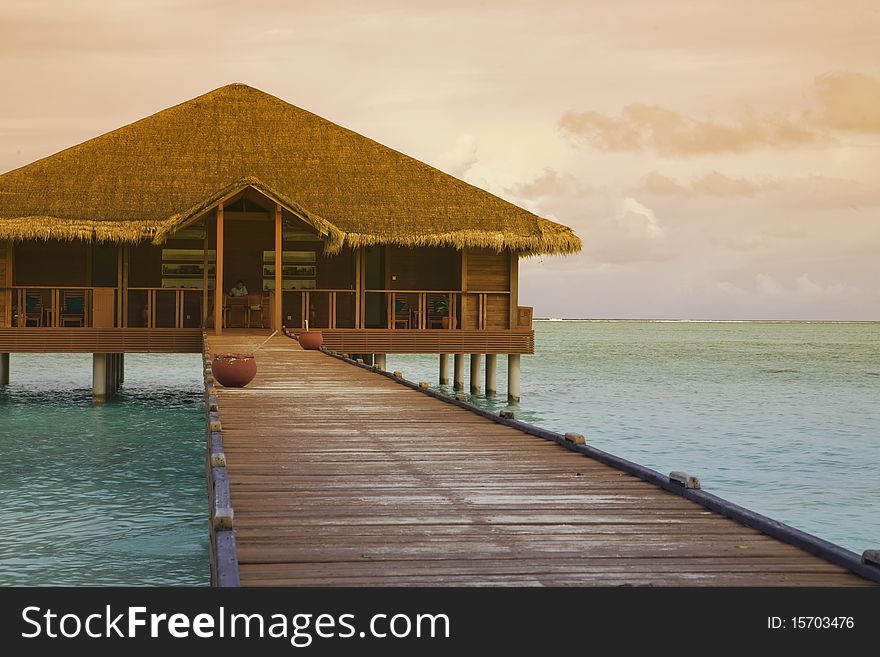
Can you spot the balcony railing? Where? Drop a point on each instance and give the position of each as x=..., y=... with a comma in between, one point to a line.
x=40, y=305
x=328, y=308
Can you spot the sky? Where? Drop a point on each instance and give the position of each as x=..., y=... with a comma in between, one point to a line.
x=719, y=160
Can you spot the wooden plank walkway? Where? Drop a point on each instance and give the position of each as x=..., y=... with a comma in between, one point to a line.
x=343, y=477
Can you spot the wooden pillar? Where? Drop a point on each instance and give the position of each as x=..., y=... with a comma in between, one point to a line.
x=380, y=361
x=491, y=374
x=6, y=283
x=458, y=372
x=218, y=280
x=464, y=287
x=514, y=290
x=126, y=258
x=476, y=361
x=111, y=374
x=279, y=268
x=116, y=360
x=357, y=288
x=4, y=369
x=444, y=369
x=99, y=378
x=513, y=377
x=119, y=278
x=205, y=265
x=121, y=368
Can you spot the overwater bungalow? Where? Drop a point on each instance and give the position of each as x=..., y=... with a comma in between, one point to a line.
x=237, y=210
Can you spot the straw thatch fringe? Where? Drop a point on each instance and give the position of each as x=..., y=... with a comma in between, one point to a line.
x=554, y=238
x=561, y=242
x=148, y=179
x=55, y=228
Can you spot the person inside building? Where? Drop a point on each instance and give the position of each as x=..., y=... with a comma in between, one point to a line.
x=239, y=290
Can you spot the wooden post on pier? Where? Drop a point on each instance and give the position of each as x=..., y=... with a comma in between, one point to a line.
x=99, y=378
x=476, y=361
x=218, y=280
x=380, y=361
x=491, y=374
x=458, y=372
x=279, y=270
x=444, y=369
x=513, y=377
x=4, y=369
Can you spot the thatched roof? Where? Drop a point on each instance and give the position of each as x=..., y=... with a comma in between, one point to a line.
x=146, y=179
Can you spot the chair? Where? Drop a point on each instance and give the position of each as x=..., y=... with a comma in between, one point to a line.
x=401, y=313
x=254, y=305
x=33, y=310
x=72, y=308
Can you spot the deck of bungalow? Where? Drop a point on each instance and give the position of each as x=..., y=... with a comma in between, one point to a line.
x=340, y=476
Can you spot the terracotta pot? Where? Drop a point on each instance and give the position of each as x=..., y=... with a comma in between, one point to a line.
x=444, y=322
x=310, y=339
x=234, y=370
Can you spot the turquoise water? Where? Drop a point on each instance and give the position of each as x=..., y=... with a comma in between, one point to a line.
x=783, y=418
x=103, y=495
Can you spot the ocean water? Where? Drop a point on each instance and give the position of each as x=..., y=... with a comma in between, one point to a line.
x=782, y=418
x=103, y=495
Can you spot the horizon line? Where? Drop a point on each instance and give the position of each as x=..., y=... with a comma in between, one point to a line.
x=682, y=319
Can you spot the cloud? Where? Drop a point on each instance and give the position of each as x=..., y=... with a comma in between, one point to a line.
x=631, y=233
x=802, y=286
x=639, y=221
x=641, y=127
x=710, y=184
x=844, y=101
x=766, y=284
x=459, y=159
x=805, y=285
x=847, y=101
x=549, y=183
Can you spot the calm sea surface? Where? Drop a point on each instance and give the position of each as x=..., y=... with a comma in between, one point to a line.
x=103, y=495
x=783, y=418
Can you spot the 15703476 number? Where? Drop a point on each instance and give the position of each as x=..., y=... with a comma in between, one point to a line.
x=811, y=623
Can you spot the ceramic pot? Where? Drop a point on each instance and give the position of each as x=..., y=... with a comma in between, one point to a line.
x=234, y=370
x=310, y=339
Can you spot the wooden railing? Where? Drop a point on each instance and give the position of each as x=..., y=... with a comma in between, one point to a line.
x=164, y=307
x=461, y=310
x=323, y=308
x=56, y=307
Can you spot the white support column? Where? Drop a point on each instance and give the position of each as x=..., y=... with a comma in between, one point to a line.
x=380, y=361
x=444, y=369
x=4, y=369
x=476, y=361
x=491, y=374
x=99, y=378
x=458, y=372
x=513, y=377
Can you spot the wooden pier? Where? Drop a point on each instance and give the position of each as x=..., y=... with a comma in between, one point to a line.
x=342, y=477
